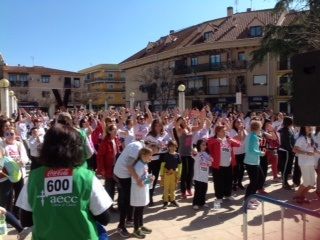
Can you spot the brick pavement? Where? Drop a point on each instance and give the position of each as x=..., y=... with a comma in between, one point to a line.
x=184, y=223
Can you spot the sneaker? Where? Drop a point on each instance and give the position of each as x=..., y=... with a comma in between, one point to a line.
x=196, y=207
x=123, y=232
x=206, y=205
x=145, y=230
x=165, y=205
x=254, y=202
x=189, y=193
x=287, y=187
x=138, y=234
x=174, y=203
x=250, y=206
x=129, y=223
x=24, y=233
x=230, y=198
x=262, y=192
x=219, y=200
x=183, y=196
x=151, y=204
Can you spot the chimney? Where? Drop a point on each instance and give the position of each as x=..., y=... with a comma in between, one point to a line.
x=229, y=11
x=171, y=31
x=248, y=9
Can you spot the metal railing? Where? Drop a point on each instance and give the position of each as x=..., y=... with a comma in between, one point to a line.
x=283, y=206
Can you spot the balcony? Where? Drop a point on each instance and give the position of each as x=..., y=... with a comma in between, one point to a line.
x=216, y=90
x=207, y=67
x=104, y=80
x=284, y=92
x=19, y=83
x=283, y=65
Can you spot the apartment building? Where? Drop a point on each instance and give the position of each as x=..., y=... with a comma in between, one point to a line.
x=33, y=85
x=212, y=60
x=105, y=84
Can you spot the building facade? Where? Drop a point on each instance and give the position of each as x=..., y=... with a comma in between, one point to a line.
x=33, y=85
x=105, y=84
x=212, y=60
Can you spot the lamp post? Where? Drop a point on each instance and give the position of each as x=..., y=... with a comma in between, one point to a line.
x=105, y=105
x=11, y=102
x=132, y=94
x=4, y=92
x=182, y=100
x=90, y=105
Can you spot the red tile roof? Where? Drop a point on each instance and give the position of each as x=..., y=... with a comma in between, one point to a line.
x=227, y=29
x=38, y=70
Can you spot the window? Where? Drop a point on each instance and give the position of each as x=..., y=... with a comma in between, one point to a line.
x=110, y=86
x=45, y=78
x=76, y=82
x=260, y=80
x=256, y=31
x=215, y=59
x=207, y=35
x=218, y=86
x=18, y=80
x=194, y=61
x=13, y=77
x=45, y=94
x=241, y=56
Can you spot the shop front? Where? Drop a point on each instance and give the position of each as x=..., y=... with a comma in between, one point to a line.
x=221, y=103
x=258, y=103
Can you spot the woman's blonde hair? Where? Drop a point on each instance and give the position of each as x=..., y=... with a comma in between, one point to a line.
x=255, y=125
x=143, y=152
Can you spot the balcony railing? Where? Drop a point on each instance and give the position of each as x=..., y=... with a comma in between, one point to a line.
x=216, y=90
x=206, y=67
x=283, y=92
x=104, y=80
x=283, y=65
x=19, y=83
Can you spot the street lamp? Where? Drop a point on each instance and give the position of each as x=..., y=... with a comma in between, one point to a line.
x=90, y=105
x=132, y=95
x=182, y=101
x=4, y=86
x=11, y=102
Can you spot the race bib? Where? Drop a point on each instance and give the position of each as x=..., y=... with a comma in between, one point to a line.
x=225, y=150
x=203, y=169
x=58, y=181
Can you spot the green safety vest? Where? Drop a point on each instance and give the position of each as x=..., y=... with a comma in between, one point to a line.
x=60, y=199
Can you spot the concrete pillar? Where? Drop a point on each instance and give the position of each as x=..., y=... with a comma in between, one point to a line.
x=4, y=92
x=11, y=103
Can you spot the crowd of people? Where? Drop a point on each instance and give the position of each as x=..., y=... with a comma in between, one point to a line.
x=130, y=149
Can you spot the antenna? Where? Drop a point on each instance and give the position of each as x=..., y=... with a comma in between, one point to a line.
x=236, y=3
x=251, y=4
x=32, y=58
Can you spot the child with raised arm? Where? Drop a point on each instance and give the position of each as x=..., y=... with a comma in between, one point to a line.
x=170, y=173
x=202, y=163
x=139, y=197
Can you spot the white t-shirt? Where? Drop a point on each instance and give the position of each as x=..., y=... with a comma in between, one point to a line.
x=225, y=153
x=126, y=158
x=202, y=162
x=139, y=196
x=99, y=199
x=305, y=145
x=201, y=134
x=22, y=130
x=241, y=149
x=141, y=131
x=34, y=144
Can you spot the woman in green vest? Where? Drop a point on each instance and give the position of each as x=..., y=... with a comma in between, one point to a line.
x=62, y=199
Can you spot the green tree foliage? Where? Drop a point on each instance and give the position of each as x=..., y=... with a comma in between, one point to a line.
x=301, y=35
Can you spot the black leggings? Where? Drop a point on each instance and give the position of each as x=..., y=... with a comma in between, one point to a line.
x=154, y=169
x=222, y=182
x=17, y=187
x=238, y=170
x=254, y=176
x=138, y=217
x=200, y=191
x=263, y=171
x=124, y=201
x=187, y=173
x=13, y=221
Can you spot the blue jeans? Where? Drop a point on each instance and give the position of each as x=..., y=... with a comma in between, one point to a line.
x=103, y=235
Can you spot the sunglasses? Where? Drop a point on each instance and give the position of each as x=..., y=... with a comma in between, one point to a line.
x=9, y=134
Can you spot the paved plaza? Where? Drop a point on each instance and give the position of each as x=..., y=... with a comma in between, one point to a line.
x=184, y=223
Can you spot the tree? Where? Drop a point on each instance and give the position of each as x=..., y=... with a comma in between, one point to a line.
x=158, y=82
x=301, y=35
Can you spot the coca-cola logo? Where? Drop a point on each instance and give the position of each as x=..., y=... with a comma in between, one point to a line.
x=59, y=172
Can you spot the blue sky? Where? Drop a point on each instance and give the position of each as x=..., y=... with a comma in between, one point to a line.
x=75, y=34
